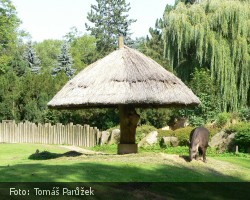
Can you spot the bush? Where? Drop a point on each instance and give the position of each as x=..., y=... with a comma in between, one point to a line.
x=196, y=121
x=203, y=86
x=183, y=135
x=244, y=114
x=155, y=117
x=238, y=127
x=222, y=119
x=212, y=130
x=165, y=133
x=242, y=139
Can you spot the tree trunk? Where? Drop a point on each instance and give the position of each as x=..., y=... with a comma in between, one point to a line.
x=128, y=123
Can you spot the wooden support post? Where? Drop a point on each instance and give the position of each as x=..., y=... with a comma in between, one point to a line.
x=128, y=123
x=236, y=149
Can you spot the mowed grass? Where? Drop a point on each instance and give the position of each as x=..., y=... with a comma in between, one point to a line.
x=15, y=166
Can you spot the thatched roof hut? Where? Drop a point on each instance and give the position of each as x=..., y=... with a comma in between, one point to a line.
x=126, y=79
x=125, y=76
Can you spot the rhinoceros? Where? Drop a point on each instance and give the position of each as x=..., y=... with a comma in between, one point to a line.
x=199, y=138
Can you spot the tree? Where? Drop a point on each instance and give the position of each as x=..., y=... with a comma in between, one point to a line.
x=154, y=45
x=34, y=92
x=32, y=59
x=83, y=48
x=65, y=62
x=83, y=51
x=110, y=20
x=203, y=86
x=8, y=95
x=213, y=34
x=8, y=33
x=48, y=51
x=18, y=63
x=72, y=35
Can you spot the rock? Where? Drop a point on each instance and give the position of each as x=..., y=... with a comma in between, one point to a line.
x=115, y=136
x=105, y=137
x=180, y=123
x=149, y=140
x=222, y=141
x=169, y=141
x=216, y=140
x=165, y=128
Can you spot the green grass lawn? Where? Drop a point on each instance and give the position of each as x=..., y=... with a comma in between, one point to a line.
x=149, y=167
x=15, y=165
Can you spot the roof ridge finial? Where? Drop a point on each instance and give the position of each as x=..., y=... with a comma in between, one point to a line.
x=121, y=42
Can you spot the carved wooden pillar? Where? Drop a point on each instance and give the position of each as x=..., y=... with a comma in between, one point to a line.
x=128, y=123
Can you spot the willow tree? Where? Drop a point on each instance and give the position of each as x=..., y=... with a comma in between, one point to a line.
x=213, y=34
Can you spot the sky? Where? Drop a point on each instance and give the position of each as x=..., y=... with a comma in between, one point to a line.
x=52, y=19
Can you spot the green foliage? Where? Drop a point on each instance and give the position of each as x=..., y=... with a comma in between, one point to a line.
x=101, y=118
x=34, y=93
x=213, y=34
x=155, y=117
x=165, y=133
x=8, y=96
x=222, y=119
x=202, y=85
x=244, y=114
x=182, y=134
x=212, y=130
x=48, y=51
x=32, y=59
x=18, y=63
x=83, y=51
x=110, y=20
x=242, y=126
x=242, y=137
x=65, y=62
x=9, y=24
x=153, y=46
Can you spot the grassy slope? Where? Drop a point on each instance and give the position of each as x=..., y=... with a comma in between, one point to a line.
x=143, y=167
x=129, y=169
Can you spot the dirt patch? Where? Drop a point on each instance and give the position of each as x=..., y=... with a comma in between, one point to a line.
x=81, y=150
x=214, y=166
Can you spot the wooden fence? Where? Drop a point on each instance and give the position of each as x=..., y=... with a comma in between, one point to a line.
x=27, y=132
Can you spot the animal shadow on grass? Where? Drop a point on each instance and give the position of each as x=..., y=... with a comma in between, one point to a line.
x=46, y=155
x=186, y=158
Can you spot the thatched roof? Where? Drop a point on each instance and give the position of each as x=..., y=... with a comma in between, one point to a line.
x=125, y=76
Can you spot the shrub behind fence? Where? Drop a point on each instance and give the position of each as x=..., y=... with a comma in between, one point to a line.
x=27, y=132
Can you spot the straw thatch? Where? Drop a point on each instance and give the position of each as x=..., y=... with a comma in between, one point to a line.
x=124, y=77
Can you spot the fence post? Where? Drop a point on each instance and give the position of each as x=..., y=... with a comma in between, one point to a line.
x=88, y=138
x=28, y=132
